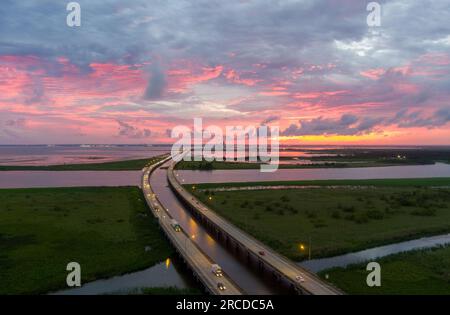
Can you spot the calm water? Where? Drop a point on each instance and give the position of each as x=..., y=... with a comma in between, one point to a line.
x=410, y=171
x=317, y=265
x=162, y=275
x=35, y=179
x=75, y=154
x=80, y=154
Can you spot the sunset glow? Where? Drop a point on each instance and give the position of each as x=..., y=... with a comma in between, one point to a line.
x=129, y=75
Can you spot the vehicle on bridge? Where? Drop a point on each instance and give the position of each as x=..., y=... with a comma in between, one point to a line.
x=221, y=286
x=217, y=270
x=175, y=225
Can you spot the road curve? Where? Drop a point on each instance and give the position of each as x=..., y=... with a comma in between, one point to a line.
x=198, y=261
x=245, y=275
x=283, y=266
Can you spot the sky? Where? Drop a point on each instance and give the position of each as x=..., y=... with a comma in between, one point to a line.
x=135, y=69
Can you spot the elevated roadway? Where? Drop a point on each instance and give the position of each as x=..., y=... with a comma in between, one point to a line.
x=195, y=258
x=298, y=278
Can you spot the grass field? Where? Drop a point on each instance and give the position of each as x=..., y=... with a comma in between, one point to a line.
x=396, y=182
x=222, y=165
x=338, y=219
x=103, y=229
x=417, y=272
x=129, y=165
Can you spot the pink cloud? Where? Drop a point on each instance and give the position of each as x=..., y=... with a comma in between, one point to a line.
x=274, y=93
x=373, y=74
x=182, y=78
x=312, y=95
x=234, y=77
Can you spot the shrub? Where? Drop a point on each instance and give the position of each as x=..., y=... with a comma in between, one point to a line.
x=362, y=218
x=205, y=166
x=349, y=217
x=424, y=212
x=319, y=224
x=336, y=214
x=245, y=204
x=285, y=198
x=57, y=209
x=348, y=209
x=375, y=214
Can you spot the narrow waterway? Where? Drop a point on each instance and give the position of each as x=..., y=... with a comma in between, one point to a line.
x=371, y=254
x=165, y=274
x=41, y=179
x=255, y=175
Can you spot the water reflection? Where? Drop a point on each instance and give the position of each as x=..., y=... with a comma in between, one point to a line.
x=35, y=179
x=75, y=154
x=317, y=265
x=407, y=171
x=164, y=274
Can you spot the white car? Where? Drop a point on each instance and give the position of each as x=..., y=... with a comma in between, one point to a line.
x=216, y=270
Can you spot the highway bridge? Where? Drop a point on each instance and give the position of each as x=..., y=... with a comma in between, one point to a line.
x=282, y=269
x=195, y=258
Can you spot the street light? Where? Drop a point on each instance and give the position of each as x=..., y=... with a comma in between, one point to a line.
x=303, y=248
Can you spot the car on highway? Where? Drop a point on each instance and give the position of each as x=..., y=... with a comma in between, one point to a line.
x=262, y=253
x=221, y=286
x=176, y=226
x=216, y=270
x=300, y=278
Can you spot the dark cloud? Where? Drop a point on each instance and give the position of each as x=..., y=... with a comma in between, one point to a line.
x=156, y=84
x=346, y=125
x=18, y=123
x=352, y=125
x=405, y=119
x=35, y=92
x=129, y=131
x=270, y=119
x=12, y=127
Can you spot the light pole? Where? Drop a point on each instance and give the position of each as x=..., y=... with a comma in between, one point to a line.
x=303, y=248
x=309, y=248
